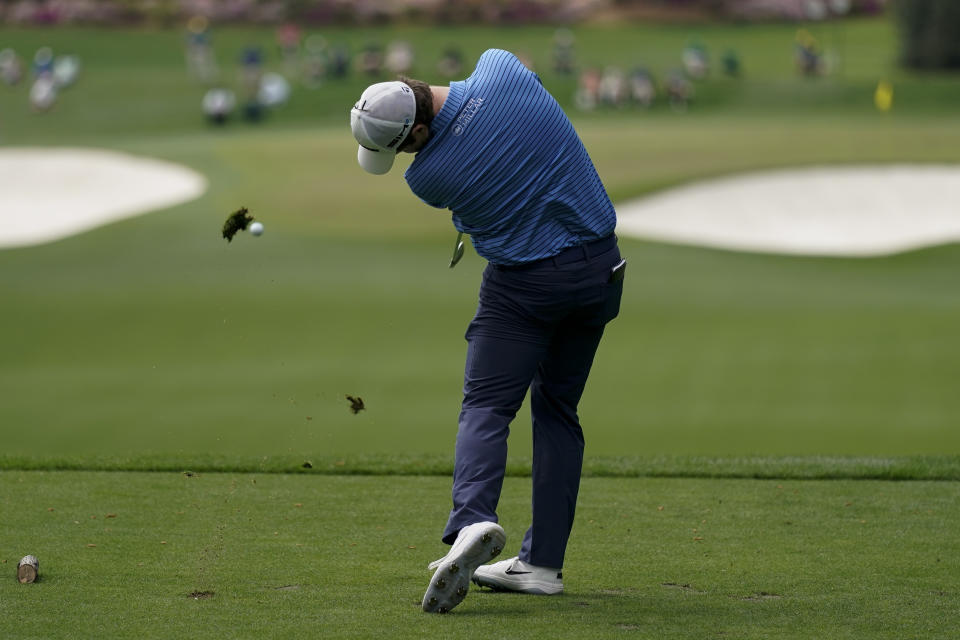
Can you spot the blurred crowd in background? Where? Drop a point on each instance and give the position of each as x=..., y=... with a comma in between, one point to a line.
x=304, y=58
x=46, y=73
x=311, y=61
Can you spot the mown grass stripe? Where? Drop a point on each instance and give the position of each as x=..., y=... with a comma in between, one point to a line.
x=759, y=467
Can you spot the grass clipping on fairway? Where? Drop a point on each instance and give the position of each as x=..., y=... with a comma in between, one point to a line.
x=238, y=221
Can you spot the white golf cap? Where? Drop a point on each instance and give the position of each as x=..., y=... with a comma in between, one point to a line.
x=380, y=121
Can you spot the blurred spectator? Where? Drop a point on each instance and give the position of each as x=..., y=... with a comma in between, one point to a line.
x=679, y=90
x=251, y=73
x=65, y=70
x=43, y=92
x=218, y=104
x=43, y=62
x=450, y=63
x=588, y=89
x=200, y=61
x=563, y=54
x=696, y=61
x=613, y=87
x=371, y=59
x=339, y=61
x=11, y=69
x=274, y=90
x=807, y=54
x=731, y=63
x=288, y=42
x=643, y=91
x=399, y=59
x=315, y=61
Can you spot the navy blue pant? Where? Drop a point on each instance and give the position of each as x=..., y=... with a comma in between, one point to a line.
x=537, y=327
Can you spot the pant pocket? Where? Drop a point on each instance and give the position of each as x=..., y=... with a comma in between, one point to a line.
x=611, y=302
x=607, y=307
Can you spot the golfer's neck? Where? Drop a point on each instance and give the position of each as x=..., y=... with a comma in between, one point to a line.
x=439, y=97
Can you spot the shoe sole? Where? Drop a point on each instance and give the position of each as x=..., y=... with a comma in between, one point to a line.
x=534, y=587
x=451, y=581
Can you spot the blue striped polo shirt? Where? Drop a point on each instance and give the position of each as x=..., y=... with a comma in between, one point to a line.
x=504, y=158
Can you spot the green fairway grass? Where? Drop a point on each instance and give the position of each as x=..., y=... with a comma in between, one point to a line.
x=295, y=557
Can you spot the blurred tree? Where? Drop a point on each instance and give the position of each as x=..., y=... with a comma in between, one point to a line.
x=929, y=33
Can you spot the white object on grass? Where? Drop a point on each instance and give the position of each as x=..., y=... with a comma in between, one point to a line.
x=48, y=193
x=823, y=211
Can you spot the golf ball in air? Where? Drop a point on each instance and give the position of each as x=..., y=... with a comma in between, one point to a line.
x=256, y=228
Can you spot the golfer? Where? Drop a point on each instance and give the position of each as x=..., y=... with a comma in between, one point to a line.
x=497, y=150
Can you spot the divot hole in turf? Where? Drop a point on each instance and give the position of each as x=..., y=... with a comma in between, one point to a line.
x=760, y=596
x=683, y=587
x=201, y=595
x=287, y=587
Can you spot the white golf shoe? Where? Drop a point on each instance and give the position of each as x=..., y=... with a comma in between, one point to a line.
x=516, y=575
x=475, y=544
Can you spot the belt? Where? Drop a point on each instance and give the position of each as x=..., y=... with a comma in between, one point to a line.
x=575, y=253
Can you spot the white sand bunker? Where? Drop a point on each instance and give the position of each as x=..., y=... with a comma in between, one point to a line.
x=48, y=194
x=831, y=211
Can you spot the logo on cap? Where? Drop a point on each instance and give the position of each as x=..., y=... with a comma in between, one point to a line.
x=401, y=135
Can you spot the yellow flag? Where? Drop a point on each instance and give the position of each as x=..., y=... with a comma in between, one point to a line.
x=883, y=96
